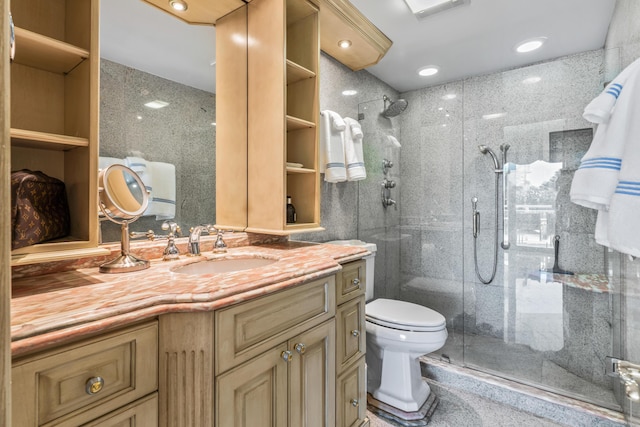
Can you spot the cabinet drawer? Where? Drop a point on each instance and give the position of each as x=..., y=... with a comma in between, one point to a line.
x=56, y=385
x=351, y=396
x=351, y=340
x=351, y=281
x=142, y=413
x=247, y=329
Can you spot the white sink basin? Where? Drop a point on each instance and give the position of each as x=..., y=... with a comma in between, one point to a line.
x=215, y=266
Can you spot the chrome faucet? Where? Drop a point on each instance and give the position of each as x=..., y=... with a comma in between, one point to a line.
x=194, y=238
x=219, y=246
x=171, y=252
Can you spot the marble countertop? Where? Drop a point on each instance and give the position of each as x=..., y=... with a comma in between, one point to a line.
x=60, y=307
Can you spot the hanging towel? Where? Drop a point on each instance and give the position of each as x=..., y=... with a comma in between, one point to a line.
x=353, y=150
x=624, y=226
x=393, y=141
x=600, y=109
x=162, y=201
x=140, y=167
x=332, y=147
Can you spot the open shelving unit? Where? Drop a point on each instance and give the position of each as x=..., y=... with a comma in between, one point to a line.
x=283, y=119
x=54, y=112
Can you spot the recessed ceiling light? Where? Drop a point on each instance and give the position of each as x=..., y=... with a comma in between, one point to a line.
x=493, y=116
x=179, y=5
x=530, y=45
x=427, y=71
x=449, y=96
x=344, y=43
x=156, y=104
x=349, y=92
x=531, y=80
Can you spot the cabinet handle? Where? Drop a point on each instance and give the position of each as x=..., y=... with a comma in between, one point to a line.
x=287, y=356
x=356, y=282
x=94, y=385
x=301, y=348
x=354, y=402
x=355, y=333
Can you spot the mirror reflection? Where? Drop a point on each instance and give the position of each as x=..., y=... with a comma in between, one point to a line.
x=125, y=193
x=157, y=111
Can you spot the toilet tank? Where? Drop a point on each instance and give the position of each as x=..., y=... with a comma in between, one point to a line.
x=369, y=262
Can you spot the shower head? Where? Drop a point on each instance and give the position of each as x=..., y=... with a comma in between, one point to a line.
x=394, y=108
x=484, y=150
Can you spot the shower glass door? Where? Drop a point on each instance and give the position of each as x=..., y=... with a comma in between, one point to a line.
x=545, y=321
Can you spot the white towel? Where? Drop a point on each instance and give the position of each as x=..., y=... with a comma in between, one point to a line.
x=393, y=141
x=624, y=226
x=162, y=202
x=105, y=162
x=353, y=150
x=332, y=147
x=600, y=109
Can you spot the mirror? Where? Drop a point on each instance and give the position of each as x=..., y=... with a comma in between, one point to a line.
x=149, y=55
x=122, y=198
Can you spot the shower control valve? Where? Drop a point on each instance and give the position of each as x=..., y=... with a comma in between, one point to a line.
x=387, y=183
x=386, y=164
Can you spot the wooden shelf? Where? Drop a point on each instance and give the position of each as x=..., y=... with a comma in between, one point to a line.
x=60, y=253
x=47, y=141
x=45, y=53
x=296, y=73
x=294, y=123
x=303, y=227
x=299, y=170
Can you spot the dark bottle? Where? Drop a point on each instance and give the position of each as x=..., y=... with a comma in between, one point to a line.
x=291, y=212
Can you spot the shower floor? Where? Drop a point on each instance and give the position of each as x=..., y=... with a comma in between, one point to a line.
x=522, y=364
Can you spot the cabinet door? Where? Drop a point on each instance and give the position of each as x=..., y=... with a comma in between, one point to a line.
x=351, y=326
x=351, y=395
x=312, y=377
x=255, y=393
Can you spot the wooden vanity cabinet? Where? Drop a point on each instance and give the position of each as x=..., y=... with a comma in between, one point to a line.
x=275, y=359
x=351, y=393
x=102, y=381
x=54, y=112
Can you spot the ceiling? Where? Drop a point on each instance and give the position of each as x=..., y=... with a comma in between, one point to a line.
x=473, y=39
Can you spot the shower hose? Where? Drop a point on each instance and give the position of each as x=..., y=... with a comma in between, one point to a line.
x=495, y=243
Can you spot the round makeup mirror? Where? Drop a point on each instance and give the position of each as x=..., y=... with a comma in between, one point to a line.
x=122, y=198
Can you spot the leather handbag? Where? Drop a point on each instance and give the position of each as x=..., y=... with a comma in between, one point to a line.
x=39, y=208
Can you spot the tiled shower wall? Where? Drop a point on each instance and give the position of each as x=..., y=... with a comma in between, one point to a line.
x=181, y=133
x=351, y=210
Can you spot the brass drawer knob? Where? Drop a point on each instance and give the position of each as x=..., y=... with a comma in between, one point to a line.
x=356, y=282
x=355, y=333
x=354, y=402
x=94, y=385
x=301, y=348
x=287, y=356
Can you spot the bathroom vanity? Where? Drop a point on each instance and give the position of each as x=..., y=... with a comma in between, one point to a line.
x=282, y=344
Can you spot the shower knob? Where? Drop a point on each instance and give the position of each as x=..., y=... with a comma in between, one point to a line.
x=386, y=183
x=387, y=164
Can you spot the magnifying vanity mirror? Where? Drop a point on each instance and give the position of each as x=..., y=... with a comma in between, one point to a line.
x=122, y=198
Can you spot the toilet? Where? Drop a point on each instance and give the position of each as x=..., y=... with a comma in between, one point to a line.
x=398, y=333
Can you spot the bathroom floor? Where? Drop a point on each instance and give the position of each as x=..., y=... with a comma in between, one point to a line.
x=461, y=409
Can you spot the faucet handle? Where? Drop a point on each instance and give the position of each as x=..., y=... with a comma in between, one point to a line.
x=219, y=246
x=173, y=228
x=149, y=234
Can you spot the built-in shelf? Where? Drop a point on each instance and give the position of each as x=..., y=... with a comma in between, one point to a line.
x=60, y=253
x=46, y=141
x=296, y=72
x=303, y=227
x=45, y=53
x=299, y=170
x=294, y=123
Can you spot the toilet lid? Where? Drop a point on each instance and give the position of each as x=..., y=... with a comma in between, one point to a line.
x=404, y=315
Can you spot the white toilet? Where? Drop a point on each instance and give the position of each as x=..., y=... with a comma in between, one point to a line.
x=398, y=333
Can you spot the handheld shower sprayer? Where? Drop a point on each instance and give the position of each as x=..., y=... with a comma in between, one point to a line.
x=476, y=216
x=496, y=164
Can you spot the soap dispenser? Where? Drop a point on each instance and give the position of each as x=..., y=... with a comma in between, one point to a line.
x=291, y=212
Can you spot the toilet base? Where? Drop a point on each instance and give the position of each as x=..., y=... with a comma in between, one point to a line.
x=398, y=417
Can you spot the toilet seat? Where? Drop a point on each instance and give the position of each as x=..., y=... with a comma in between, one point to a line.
x=404, y=315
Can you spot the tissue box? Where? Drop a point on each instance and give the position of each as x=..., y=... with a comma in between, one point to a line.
x=39, y=208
